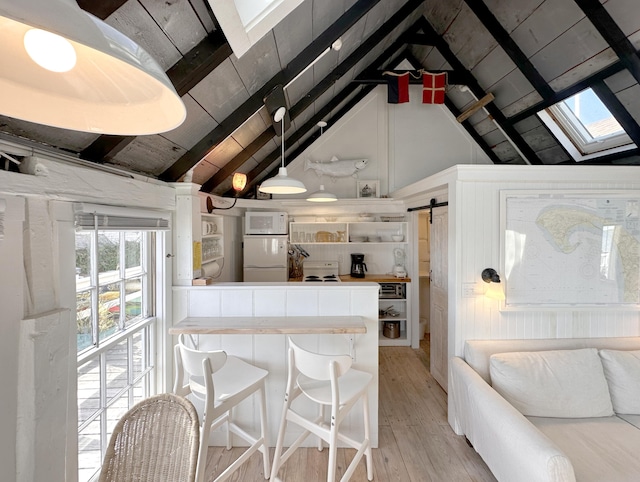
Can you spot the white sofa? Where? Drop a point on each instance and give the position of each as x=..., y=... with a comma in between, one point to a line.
x=551, y=382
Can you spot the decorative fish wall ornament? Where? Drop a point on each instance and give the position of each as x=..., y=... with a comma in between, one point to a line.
x=337, y=168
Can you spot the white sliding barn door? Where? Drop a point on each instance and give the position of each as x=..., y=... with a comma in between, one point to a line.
x=438, y=294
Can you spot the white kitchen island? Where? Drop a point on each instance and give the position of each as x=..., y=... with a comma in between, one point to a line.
x=254, y=320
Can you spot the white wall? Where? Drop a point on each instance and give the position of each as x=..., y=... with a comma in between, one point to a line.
x=473, y=193
x=403, y=143
x=38, y=422
x=12, y=303
x=424, y=140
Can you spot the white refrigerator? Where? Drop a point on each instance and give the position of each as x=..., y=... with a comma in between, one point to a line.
x=265, y=258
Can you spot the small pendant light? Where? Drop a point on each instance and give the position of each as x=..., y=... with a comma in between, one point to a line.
x=322, y=196
x=282, y=183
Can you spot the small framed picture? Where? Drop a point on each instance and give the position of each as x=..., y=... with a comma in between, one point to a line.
x=368, y=188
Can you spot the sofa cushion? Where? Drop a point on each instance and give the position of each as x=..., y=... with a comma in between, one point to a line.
x=622, y=371
x=557, y=383
x=600, y=449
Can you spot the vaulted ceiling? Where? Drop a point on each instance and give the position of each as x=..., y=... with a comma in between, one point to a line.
x=529, y=54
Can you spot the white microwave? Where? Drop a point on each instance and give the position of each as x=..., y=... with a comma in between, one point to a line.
x=259, y=222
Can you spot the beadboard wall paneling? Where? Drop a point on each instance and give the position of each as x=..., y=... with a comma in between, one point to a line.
x=479, y=231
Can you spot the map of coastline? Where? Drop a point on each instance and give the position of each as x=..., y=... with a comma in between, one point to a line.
x=572, y=250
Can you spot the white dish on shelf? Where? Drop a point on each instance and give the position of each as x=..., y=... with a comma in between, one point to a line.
x=397, y=238
x=366, y=218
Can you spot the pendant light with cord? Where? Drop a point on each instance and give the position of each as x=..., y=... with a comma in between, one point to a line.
x=68, y=69
x=282, y=183
x=322, y=196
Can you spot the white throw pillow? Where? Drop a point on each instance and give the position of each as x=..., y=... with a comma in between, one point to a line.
x=555, y=383
x=622, y=370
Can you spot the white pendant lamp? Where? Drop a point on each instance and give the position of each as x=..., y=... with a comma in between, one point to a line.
x=322, y=196
x=282, y=183
x=65, y=68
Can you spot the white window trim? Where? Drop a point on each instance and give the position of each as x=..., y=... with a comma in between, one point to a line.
x=573, y=151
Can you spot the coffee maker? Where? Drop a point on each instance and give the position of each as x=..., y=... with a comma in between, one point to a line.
x=357, y=265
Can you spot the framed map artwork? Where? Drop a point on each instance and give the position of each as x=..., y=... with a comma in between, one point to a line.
x=572, y=248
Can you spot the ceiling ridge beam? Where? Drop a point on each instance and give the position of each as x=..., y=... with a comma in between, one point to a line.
x=612, y=34
x=226, y=128
x=228, y=169
x=529, y=154
x=199, y=62
x=500, y=34
x=566, y=93
x=619, y=111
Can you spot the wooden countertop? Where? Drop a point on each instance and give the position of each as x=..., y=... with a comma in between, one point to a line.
x=250, y=325
x=376, y=278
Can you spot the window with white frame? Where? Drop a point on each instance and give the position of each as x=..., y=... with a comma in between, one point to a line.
x=585, y=127
x=115, y=280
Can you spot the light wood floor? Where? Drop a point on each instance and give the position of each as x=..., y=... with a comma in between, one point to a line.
x=416, y=444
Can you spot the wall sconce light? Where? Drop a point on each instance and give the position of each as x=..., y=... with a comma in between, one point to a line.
x=238, y=182
x=494, y=290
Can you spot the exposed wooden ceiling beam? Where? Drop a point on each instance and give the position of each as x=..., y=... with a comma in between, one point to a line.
x=311, y=124
x=265, y=137
x=101, y=8
x=505, y=41
x=478, y=91
x=612, y=34
x=456, y=112
x=566, y=93
x=415, y=77
x=199, y=62
x=209, y=142
x=297, y=109
x=419, y=39
x=620, y=113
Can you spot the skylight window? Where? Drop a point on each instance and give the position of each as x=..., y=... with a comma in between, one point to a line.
x=585, y=127
x=244, y=22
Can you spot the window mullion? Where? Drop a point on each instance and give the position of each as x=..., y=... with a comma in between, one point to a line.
x=95, y=285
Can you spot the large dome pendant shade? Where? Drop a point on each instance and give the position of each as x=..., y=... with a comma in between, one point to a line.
x=282, y=183
x=115, y=86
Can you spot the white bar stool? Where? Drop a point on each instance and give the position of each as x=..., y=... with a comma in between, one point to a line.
x=329, y=381
x=221, y=382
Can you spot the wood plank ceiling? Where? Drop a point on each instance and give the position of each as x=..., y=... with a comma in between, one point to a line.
x=529, y=54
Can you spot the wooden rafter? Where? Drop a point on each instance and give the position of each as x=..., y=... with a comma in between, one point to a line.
x=456, y=113
x=503, y=38
x=321, y=115
x=101, y=8
x=618, y=110
x=311, y=96
x=494, y=111
x=199, y=62
x=612, y=34
x=209, y=142
x=566, y=93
